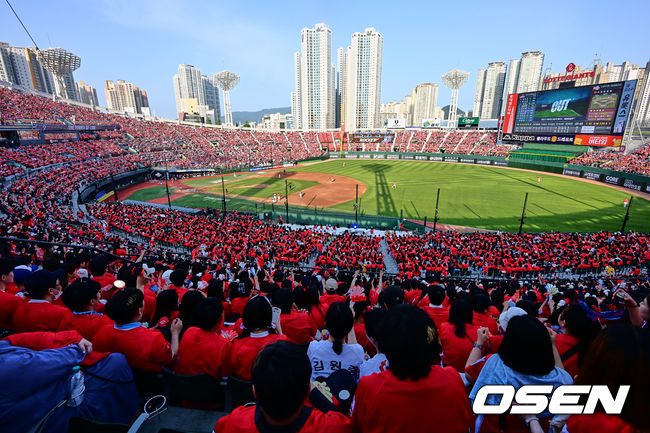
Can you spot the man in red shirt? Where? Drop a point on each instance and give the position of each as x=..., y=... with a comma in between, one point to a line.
x=415, y=394
x=98, y=269
x=438, y=312
x=281, y=384
x=204, y=349
x=9, y=303
x=81, y=297
x=40, y=314
x=177, y=279
x=144, y=348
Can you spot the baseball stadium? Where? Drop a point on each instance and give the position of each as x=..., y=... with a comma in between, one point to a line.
x=335, y=271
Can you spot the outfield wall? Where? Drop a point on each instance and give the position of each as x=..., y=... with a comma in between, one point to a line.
x=631, y=181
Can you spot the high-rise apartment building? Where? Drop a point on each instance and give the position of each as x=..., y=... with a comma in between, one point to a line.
x=196, y=93
x=86, y=93
x=314, y=77
x=530, y=71
x=425, y=103
x=489, y=91
x=122, y=96
x=363, y=64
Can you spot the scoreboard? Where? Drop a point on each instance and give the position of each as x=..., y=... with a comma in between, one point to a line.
x=593, y=115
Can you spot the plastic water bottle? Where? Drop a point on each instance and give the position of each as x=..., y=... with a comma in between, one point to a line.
x=77, y=387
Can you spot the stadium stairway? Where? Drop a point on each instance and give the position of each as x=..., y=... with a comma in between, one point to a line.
x=389, y=260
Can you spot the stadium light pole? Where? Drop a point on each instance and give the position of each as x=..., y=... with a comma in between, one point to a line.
x=523, y=214
x=60, y=63
x=454, y=80
x=435, y=218
x=227, y=81
x=286, y=201
x=627, y=215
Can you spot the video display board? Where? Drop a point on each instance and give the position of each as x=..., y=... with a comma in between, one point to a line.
x=592, y=115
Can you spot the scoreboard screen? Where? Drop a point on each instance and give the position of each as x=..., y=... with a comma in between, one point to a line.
x=570, y=115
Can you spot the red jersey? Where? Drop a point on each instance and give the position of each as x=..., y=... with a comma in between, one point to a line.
x=598, y=422
x=329, y=299
x=8, y=305
x=564, y=343
x=242, y=420
x=144, y=348
x=87, y=323
x=106, y=282
x=455, y=351
x=245, y=350
x=317, y=315
x=385, y=404
x=237, y=305
x=39, y=316
x=479, y=320
x=439, y=315
x=297, y=327
x=203, y=352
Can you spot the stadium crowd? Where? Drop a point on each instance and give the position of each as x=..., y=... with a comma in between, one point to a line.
x=303, y=321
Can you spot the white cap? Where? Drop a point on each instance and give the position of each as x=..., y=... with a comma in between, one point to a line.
x=511, y=312
x=165, y=276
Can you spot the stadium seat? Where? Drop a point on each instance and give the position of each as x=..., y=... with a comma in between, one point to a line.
x=148, y=382
x=240, y=392
x=199, y=389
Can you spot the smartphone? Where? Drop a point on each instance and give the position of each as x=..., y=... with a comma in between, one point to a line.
x=276, y=314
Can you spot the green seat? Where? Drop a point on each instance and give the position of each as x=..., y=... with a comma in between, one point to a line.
x=197, y=389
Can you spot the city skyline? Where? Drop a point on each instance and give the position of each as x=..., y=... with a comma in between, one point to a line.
x=151, y=39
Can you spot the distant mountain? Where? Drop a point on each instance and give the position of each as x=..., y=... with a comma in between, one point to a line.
x=445, y=110
x=256, y=116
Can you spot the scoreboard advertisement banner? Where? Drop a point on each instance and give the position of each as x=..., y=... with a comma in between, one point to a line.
x=372, y=137
x=468, y=122
x=593, y=115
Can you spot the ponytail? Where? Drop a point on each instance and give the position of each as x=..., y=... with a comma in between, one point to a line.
x=337, y=346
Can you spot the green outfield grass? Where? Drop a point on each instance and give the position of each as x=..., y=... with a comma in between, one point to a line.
x=470, y=195
x=251, y=187
x=150, y=193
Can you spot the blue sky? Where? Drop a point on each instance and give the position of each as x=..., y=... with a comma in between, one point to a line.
x=143, y=41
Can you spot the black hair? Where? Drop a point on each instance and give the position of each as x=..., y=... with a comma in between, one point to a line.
x=436, y=294
x=306, y=297
x=528, y=306
x=177, y=277
x=481, y=302
x=281, y=375
x=391, y=296
x=283, y=299
x=527, y=347
x=339, y=322
x=215, y=289
x=6, y=266
x=97, y=266
x=166, y=303
x=188, y=308
x=209, y=313
x=372, y=320
x=80, y=293
x=359, y=308
x=123, y=306
x=460, y=313
x=581, y=327
x=408, y=338
x=257, y=314
x=38, y=283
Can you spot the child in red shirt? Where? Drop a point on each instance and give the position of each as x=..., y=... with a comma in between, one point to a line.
x=81, y=297
x=281, y=384
x=144, y=348
x=204, y=349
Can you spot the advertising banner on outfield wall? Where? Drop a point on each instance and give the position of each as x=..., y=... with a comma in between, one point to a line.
x=334, y=156
x=451, y=159
x=467, y=160
x=597, y=140
x=351, y=156
x=571, y=172
x=591, y=175
x=614, y=180
x=632, y=184
x=392, y=156
x=483, y=161
x=421, y=157
x=647, y=188
x=501, y=163
x=379, y=156
x=407, y=156
x=435, y=158
x=365, y=156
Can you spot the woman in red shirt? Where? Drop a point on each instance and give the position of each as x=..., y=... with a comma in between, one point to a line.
x=578, y=331
x=258, y=333
x=295, y=325
x=458, y=335
x=415, y=391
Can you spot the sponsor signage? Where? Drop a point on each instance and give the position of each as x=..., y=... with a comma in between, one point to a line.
x=591, y=175
x=371, y=137
x=647, y=188
x=334, y=156
x=511, y=109
x=407, y=156
x=379, y=156
x=570, y=77
x=501, y=163
x=571, y=172
x=258, y=168
x=483, y=161
x=519, y=137
x=468, y=122
x=597, y=140
x=624, y=107
x=557, y=139
x=614, y=180
x=435, y=158
x=632, y=184
x=365, y=156
x=451, y=159
x=396, y=123
x=421, y=157
x=351, y=156
x=467, y=160
x=392, y=156
x=431, y=123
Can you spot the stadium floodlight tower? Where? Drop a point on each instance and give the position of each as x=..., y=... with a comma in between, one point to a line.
x=60, y=63
x=227, y=81
x=454, y=80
